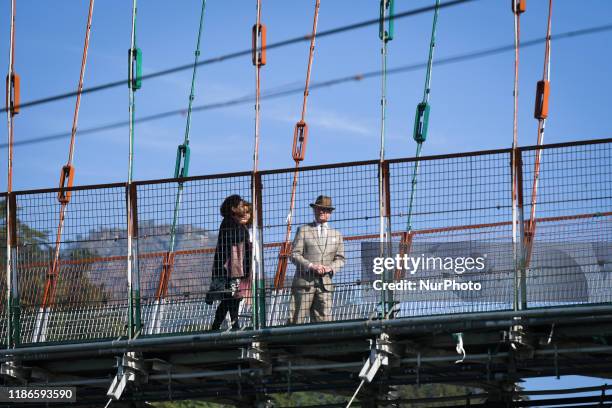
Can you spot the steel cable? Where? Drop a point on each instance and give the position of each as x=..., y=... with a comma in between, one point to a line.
x=67, y=176
x=300, y=137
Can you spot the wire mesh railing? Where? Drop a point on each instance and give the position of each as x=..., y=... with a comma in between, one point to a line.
x=462, y=209
x=457, y=209
x=89, y=300
x=354, y=191
x=188, y=271
x=572, y=250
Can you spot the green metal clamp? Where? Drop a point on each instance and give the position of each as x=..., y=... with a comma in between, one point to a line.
x=421, y=122
x=385, y=28
x=135, y=61
x=181, y=169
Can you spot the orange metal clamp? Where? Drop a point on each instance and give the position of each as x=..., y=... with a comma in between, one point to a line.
x=519, y=6
x=541, y=101
x=67, y=175
x=13, y=95
x=259, y=56
x=300, y=137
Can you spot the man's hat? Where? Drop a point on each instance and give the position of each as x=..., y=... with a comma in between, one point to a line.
x=323, y=202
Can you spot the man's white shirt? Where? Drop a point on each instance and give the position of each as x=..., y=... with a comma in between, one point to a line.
x=322, y=230
x=322, y=234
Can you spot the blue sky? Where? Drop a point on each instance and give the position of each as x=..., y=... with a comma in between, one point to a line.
x=471, y=101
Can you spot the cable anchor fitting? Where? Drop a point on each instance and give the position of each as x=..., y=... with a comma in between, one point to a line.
x=183, y=153
x=13, y=93
x=66, y=176
x=135, y=62
x=386, y=26
x=130, y=368
x=13, y=369
x=300, y=138
x=541, y=101
x=383, y=352
x=258, y=54
x=421, y=122
x=458, y=337
x=257, y=354
x=519, y=6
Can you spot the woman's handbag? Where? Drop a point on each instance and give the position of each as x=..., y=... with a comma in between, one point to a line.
x=216, y=290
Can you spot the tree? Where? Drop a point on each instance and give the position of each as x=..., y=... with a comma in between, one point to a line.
x=305, y=399
x=30, y=240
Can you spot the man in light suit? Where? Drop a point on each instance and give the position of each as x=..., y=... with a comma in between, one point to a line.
x=318, y=254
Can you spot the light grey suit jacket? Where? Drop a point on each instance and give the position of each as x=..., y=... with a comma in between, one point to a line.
x=307, y=248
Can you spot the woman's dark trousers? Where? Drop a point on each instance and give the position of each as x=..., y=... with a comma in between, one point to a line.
x=227, y=304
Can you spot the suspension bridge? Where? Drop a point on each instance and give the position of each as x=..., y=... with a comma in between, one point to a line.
x=106, y=285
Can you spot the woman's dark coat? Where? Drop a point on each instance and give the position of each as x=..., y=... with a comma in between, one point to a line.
x=233, y=239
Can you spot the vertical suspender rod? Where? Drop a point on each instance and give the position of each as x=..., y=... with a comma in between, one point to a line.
x=66, y=182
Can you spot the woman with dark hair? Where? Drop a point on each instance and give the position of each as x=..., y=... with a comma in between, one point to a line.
x=232, y=261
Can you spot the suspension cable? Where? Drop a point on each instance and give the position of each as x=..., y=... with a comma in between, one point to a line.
x=287, y=89
x=300, y=138
x=421, y=121
x=181, y=170
x=12, y=108
x=257, y=275
x=134, y=83
x=237, y=54
x=540, y=113
x=259, y=59
x=66, y=181
x=385, y=33
x=12, y=97
x=518, y=7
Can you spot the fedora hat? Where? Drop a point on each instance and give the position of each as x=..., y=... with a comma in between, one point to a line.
x=323, y=201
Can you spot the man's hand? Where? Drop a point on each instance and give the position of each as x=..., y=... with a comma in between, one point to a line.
x=318, y=269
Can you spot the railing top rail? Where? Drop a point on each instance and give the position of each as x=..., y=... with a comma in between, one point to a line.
x=567, y=144
x=450, y=155
x=73, y=188
x=192, y=178
x=317, y=167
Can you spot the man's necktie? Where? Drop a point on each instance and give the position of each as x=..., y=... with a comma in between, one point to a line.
x=322, y=232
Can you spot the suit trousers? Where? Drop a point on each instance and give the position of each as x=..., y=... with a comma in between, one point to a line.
x=313, y=301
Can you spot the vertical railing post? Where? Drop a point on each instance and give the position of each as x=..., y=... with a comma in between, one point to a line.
x=258, y=275
x=8, y=269
x=522, y=271
x=515, y=245
x=133, y=275
x=386, y=249
x=520, y=285
x=12, y=285
x=7, y=272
